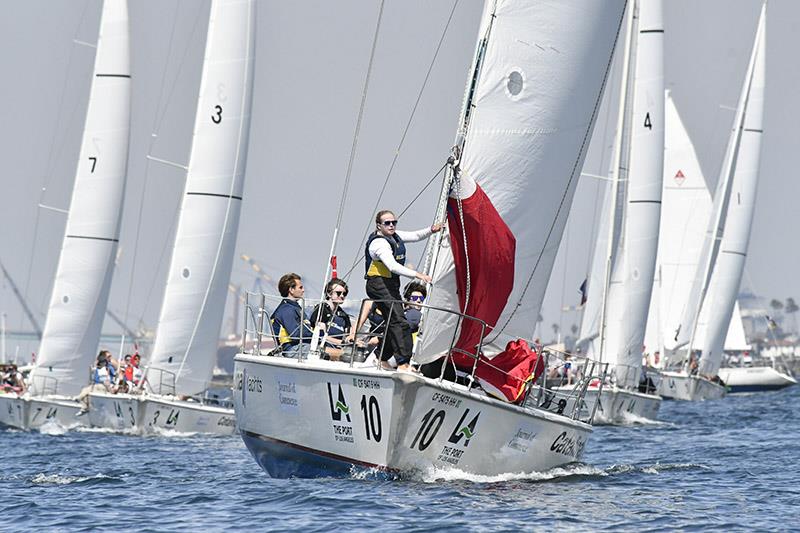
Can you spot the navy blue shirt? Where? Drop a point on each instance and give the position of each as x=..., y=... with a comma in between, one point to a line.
x=286, y=323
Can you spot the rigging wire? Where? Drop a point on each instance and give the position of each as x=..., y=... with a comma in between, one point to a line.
x=50, y=165
x=353, y=149
x=157, y=122
x=421, y=91
x=357, y=259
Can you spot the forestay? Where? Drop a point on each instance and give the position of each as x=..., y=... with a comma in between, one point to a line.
x=535, y=103
x=86, y=263
x=729, y=264
x=194, y=300
x=685, y=211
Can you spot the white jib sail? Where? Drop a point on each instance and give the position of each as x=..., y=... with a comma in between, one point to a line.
x=729, y=265
x=643, y=166
x=191, y=313
x=535, y=106
x=86, y=264
x=685, y=211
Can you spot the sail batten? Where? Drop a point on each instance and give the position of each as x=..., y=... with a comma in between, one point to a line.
x=83, y=277
x=202, y=255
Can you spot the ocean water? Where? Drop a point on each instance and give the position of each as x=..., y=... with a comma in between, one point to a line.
x=724, y=465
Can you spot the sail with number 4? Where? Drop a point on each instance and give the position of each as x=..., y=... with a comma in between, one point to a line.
x=639, y=174
x=530, y=108
x=86, y=263
x=186, y=341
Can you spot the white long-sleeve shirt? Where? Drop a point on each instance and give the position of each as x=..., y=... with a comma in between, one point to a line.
x=381, y=250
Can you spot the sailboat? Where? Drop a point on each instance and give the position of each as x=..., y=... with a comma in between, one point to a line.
x=86, y=263
x=719, y=271
x=620, y=285
x=530, y=105
x=184, y=353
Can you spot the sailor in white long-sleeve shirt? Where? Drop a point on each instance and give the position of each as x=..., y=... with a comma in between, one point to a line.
x=385, y=257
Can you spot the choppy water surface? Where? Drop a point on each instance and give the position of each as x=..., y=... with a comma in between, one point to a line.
x=730, y=464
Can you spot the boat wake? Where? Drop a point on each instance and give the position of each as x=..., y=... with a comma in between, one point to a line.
x=172, y=433
x=54, y=428
x=62, y=479
x=574, y=471
x=110, y=431
x=630, y=419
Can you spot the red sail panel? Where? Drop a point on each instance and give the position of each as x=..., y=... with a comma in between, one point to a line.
x=506, y=374
x=491, y=247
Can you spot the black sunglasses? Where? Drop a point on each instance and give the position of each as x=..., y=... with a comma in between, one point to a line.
x=389, y=223
x=339, y=293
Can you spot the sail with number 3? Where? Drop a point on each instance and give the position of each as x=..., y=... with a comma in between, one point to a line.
x=184, y=352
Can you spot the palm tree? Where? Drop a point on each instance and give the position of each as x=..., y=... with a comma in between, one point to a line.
x=792, y=308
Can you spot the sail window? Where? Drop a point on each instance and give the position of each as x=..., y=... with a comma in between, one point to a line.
x=65, y=299
x=514, y=83
x=186, y=273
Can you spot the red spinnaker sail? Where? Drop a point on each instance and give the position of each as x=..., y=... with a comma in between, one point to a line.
x=491, y=248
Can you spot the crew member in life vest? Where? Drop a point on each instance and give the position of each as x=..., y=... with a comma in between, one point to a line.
x=385, y=257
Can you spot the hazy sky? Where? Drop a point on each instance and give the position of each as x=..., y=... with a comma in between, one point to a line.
x=310, y=67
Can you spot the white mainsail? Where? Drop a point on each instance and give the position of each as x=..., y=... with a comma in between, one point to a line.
x=86, y=264
x=640, y=172
x=202, y=256
x=539, y=87
x=729, y=261
x=685, y=211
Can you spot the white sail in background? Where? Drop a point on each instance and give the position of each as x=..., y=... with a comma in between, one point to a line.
x=641, y=171
x=735, y=339
x=729, y=262
x=202, y=256
x=538, y=92
x=86, y=264
x=716, y=226
x=685, y=211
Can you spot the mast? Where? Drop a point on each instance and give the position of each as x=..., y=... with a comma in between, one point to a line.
x=722, y=196
x=435, y=243
x=621, y=158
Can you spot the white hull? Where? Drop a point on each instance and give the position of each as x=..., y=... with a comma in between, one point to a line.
x=681, y=386
x=120, y=412
x=155, y=414
x=33, y=413
x=46, y=410
x=13, y=411
x=308, y=419
x=622, y=406
x=168, y=413
x=755, y=379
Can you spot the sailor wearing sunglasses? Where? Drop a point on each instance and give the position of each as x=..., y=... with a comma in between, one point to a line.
x=385, y=257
